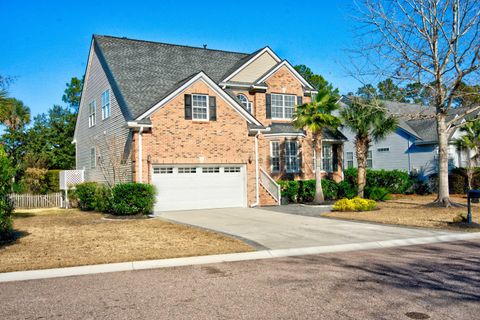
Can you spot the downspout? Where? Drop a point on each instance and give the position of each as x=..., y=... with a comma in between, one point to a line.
x=257, y=186
x=140, y=166
x=409, y=160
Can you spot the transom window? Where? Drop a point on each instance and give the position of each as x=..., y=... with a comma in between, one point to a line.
x=92, y=106
x=199, y=107
x=275, y=156
x=211, y=169
x=231, y=169
x=162, y=170
x=370, y=159
x=282, y=106
x=349, y=158
x=327, y=164
x=187, y=170
x=246, y=104
x=292, y=160
x=383, y=149
x=106, y=104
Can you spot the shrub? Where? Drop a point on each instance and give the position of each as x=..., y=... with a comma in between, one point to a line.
x=35, y=179
x=103, y=201
x=53, y=180
x=457, y=183
x=377, y=193
x=133, y=198
x=6, y=205
x=6, y=210
x=289, y=190
x=85, y=193
x=346, y=190
x=355, y=204
x=303, y=191
x=395, y=181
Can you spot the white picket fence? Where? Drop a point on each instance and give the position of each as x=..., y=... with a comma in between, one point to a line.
x=31, y=201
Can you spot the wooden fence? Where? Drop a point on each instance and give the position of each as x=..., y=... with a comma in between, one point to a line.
x=31, y=201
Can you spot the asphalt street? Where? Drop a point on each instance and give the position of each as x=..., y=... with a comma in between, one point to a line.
x=437, y=281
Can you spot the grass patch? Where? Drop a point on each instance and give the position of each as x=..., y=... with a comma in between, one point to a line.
x=413, y=210
x=55, y=238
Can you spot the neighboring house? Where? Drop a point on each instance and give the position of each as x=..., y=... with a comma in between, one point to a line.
x=208, y=128
x=413, y=147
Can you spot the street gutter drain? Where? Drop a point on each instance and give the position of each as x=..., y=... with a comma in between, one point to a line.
x=417, y=315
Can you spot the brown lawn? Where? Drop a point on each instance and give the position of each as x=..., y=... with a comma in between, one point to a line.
x=412, y=210
x=53, y=238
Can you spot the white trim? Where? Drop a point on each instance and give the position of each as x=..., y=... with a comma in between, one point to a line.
x=291, y=69
x=94, y=114
x=255, y=57
x=207, y=107
x=279, y=156
x=109, y=104
x=133, y=124
x=203, y=77
x=86, y=77
x=285, y=135
x=283, y=95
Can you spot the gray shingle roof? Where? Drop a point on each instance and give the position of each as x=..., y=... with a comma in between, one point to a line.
x=145, y=72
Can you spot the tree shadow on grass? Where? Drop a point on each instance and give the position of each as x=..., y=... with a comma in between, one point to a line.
x=17, y=234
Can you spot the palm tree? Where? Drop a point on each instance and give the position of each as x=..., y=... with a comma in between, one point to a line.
x=369, y=120
x=315, y=117
x=470, y=142
x=13, y=113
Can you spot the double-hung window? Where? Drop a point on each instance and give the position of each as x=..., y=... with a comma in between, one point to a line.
x=199, y=107
x=275, y=156
x=92, y=107
x=349, y=159
x=283, y=106
x=106, y=104
x=370, y=159
x=292, y=160
x=327, y=164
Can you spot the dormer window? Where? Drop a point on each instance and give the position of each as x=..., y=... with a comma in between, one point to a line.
x=246, y=104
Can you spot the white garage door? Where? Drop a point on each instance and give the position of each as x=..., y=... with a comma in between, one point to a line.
x=199, y=187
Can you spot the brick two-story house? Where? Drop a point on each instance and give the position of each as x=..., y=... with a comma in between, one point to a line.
x=208, y=128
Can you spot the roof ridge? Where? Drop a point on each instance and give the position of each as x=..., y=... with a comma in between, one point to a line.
x=169, y=44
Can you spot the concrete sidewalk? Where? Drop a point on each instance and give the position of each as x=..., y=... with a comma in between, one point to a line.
x=275, y=230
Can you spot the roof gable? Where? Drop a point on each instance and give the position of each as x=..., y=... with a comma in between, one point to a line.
x=248, y=71
x=201, y=76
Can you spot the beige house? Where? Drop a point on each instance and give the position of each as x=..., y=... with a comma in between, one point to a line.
x=209, y=128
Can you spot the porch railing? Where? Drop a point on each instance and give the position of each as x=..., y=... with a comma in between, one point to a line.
x=270, y=185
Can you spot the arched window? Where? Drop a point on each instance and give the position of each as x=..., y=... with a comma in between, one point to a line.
x=246, y=104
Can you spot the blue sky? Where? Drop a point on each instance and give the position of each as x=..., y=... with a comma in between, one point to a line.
x=45, y=43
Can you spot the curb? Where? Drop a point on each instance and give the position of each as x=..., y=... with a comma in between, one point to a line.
x=230, y=257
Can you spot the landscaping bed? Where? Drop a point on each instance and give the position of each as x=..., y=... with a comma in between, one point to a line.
x=414, y=210
x=54, y=238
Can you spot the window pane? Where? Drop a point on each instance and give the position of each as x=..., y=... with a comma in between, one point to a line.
x=291, y=156
x=275, y=156
x=289, y=104
x=199, y=107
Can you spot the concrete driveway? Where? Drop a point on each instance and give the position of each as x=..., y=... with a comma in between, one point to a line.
x=275, y=230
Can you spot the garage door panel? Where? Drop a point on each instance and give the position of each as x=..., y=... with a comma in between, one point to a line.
x=203, y=189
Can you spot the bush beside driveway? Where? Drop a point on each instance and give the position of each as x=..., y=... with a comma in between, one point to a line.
x=54, y=238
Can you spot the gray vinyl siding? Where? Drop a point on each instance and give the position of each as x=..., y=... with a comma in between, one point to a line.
x=106, y=133
x=402, y=154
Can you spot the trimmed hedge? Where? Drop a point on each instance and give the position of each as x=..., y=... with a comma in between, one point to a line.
x=122, y=199
x=133, y=198
x=303, y=191
x=85, y=193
